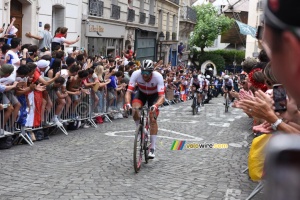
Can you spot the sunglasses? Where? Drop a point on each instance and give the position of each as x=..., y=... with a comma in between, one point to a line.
x=244, y=82
x=146, y=73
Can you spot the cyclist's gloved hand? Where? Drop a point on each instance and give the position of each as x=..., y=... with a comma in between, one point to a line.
x=127, y=106
x=153, y=108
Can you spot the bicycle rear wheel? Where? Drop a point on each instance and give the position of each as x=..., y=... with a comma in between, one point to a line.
x=138, y=149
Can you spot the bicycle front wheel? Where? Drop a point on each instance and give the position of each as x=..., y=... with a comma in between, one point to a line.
x=194, y=106
x=138, y=149
x=226, y=104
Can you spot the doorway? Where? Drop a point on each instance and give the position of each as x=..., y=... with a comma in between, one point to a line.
x=58, y=18
x=16, y=11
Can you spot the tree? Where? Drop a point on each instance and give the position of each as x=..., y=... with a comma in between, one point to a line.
x=209, y=26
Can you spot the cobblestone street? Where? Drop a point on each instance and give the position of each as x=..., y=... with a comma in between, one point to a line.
x=97, y=163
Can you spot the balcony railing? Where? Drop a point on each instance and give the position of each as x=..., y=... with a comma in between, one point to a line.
x=175, y=1
x=151, y=19
x=96, y=7
x=142, y=17
x=131, y=15
x=189, y=13
x=115, y=11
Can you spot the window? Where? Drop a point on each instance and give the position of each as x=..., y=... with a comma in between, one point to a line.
x=168, y=22
x=160, y=20
x=141, y=5
x=174, y=24
x=151, y=8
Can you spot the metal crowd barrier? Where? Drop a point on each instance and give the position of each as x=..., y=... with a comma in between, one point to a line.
x=82, y=111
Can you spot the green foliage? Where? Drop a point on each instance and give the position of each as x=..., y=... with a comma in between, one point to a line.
x=209, y=25
x=229, y=56
x=218, y=60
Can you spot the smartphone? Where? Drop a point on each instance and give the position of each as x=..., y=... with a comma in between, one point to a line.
x=279, y=96
x=259, y=33
x=74, y=49
x=3, y=25
x=242, y=77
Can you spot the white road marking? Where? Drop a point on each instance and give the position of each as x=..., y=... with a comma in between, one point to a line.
x=184, y=136
x=219, y=124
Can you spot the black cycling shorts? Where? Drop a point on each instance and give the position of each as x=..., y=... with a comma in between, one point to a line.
x=228, y=88
x=197, y=86
x=142, y=98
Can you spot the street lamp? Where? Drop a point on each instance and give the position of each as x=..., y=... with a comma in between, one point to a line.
x=161, y=38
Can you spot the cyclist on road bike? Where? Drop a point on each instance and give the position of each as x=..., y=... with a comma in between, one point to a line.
x=196, y=85
x=227, y=87
x=150, y=89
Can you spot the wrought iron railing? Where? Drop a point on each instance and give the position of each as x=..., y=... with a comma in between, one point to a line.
x=152, y=20
x=131, y=15
x=142, y=17
x=175, y=1
x=189, y=13
x=115, y=11
x=96, y=7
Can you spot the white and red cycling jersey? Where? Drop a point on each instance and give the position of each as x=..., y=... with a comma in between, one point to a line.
x=155, y=85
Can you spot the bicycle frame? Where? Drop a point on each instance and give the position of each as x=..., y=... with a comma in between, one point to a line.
x=142, y=132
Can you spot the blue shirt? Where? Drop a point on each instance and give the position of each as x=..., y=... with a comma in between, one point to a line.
x=113, y=83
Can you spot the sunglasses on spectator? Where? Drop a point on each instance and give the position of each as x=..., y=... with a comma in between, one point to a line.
x=243, y=82
x=146, y=72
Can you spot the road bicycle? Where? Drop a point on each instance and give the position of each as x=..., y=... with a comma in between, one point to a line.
x=141, y=139
x=195, y=106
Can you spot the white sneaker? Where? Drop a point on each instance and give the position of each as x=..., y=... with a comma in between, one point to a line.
x=86, y=126
x=57, y=122
x=151, y=154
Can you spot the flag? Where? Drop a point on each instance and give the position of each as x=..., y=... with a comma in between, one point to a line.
x=245, y=29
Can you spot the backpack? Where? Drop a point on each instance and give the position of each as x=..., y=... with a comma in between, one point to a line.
x=74, y=125
x=6, y=142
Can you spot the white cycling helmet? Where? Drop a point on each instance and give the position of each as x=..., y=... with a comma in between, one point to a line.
x=226, y=77
x=207, y=76
x=210, y=69
x=147, y=65
x=202, y=76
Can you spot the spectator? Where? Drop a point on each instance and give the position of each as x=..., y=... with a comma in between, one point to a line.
x=60, y=39
x=102, y=89
x=44, y=39
x=128, y=54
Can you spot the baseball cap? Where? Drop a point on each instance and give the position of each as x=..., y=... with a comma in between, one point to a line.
x=70, y=60
x=6, y=69
x=43, y=63
x=283, y=15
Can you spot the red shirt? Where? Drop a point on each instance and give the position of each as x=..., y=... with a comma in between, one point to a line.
x=36, y=75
